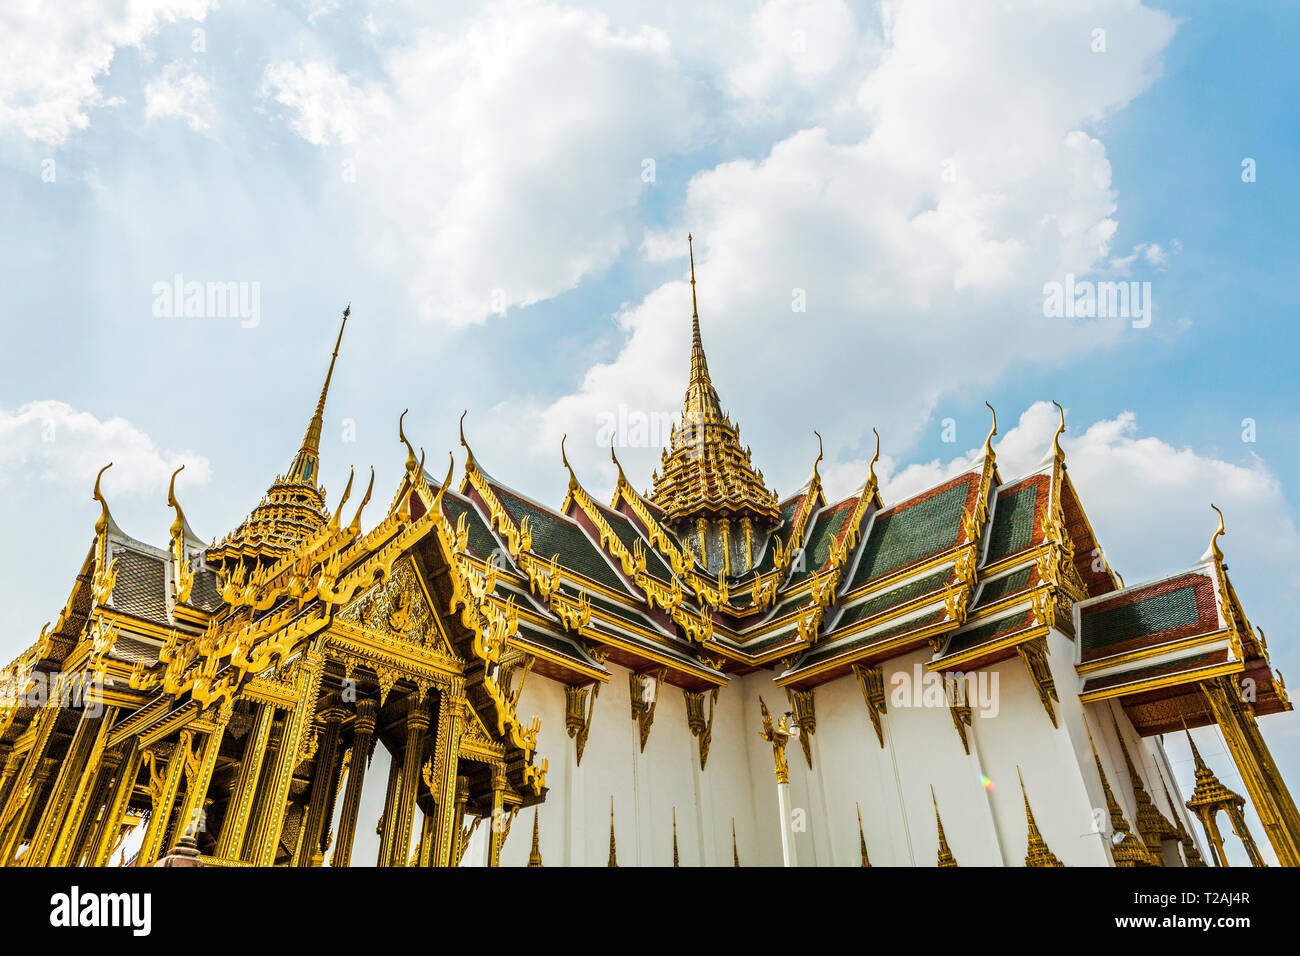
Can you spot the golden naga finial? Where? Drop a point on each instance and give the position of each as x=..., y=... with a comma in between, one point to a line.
x=871, y=468
x=102, y=524
x=355, y=526
x=573, y=479
x=988, y=442
x=1214, y=538
x=411, y=463
x=818, y=460
x=178, y=525
x=622, y=479
x=1056, y=439
x=336, y=518
x=469, y=461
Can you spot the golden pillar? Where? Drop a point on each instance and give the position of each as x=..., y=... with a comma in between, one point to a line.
x=417, y=724
x=725, y=528
x=162, y=792
x=1272, y=800
x=198, y=776
x=388, y=822
x=27, y=808
x=498, y=822
x=363, y=728
x=77, y=807
x=323, y=786
x=231, y=841
x=119, y=799
x=25, y=789
x=458, y=834
x=275, y=796
x=427, y=825
x=105, y=773
x=12, y=762
x=64, y=789
x=446, y=766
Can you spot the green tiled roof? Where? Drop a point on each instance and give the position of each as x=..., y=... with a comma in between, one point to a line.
x=891, y=599
x=986, y=632
x=999, y=588
x=1013, y=522
x=901, y=537
x=553, y=534
x=826, y=529
x=1160, y=612
x=628, y=535
x=1208, y=659
x=481, y=540
x=828, y=649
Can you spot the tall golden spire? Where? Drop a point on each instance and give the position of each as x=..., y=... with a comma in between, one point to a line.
x=1125, y=848
x=735, y=853
x=535, y=857
x=862, y=837
x=706, y=473
x=293, y=509
x=613, y=850
x=1037, y=853
x=307, y=462
x=1151, y=824
x=676, y=859
x=945, y=853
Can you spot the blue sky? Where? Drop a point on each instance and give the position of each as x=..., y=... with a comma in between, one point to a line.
x=339, y=152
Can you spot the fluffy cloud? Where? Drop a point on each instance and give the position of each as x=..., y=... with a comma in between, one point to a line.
x=180, y=93
x=53, y=443
x=53, y=59
x=917, y=251
x=498, y=164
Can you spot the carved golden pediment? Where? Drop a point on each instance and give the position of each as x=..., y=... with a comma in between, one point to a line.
x=398, y=609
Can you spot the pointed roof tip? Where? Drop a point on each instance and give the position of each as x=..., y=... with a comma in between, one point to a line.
x=695, y=309
x=305, y=464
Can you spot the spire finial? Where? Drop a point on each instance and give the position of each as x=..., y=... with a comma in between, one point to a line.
x=102, y=524
x=695, y=309
x=1056, y=439
x=676, y=859
x=699, y=365
x=305, y=464
x=988, y=442
x=535, y=857
x=1214, y=538
x=613, y=852
x=862, y=837
x=178, y=525
x=411, y=463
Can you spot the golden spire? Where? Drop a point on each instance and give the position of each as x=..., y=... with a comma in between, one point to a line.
x=706, y=472
x=613, y=851
x=1126, y=849
x=535, y=857
x=735, y=854
x=945, y=854
x=1151, y=824
x=676, y=858
x=862, y=837
x=1037, y=853
x=307, y=462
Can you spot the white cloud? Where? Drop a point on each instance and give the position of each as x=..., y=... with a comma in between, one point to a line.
x=54, y=57
x=53, y=443
x=499, y=164
x=181, y=93
x=921, y=248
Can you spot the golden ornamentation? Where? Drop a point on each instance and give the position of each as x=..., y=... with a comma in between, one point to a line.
x=1036, y=854
x=644, y=704
x=862, y=838
x=871, y=681
x=777, y=736
x=1034, y=655
x=1125, y=849
x=182, y=573
x=945, y=853
x=613, y=849
x=805, y=718
x=577, y=714
x=699, y=727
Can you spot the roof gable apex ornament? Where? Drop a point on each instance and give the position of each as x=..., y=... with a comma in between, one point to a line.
x=989, y=454
x=337, y=517
x=182, y=573
x=1214, y=552
x=105, y=519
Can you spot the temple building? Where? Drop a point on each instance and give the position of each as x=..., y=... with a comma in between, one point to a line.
x=738, y=677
